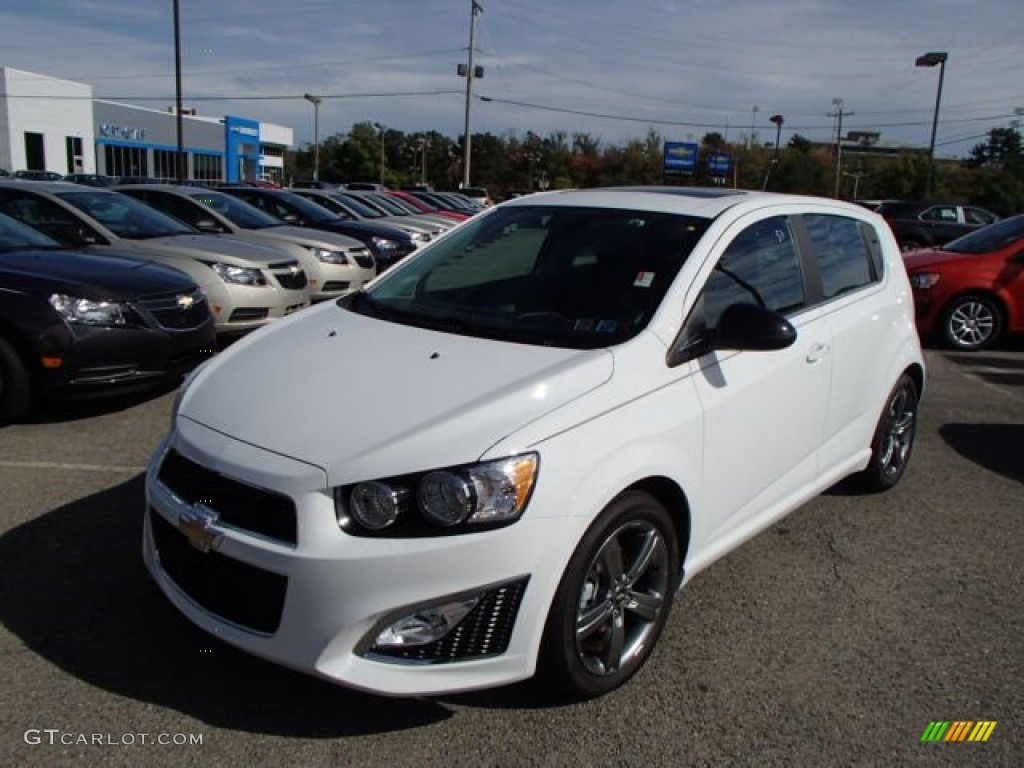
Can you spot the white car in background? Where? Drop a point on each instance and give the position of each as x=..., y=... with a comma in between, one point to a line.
x=577, y=401
x=335, y=264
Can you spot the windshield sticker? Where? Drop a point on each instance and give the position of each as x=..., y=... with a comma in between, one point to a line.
x=643, y=280
x=606, y=326
x=584, y=324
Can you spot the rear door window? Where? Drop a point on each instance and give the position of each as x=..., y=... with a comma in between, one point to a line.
x=842, y=252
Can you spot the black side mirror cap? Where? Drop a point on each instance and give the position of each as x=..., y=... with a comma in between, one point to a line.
x=752, y=327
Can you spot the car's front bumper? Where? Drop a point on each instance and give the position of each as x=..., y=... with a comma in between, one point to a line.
x=96, y=361
x=329, y=592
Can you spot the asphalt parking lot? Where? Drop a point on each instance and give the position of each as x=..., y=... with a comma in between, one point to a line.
x=834, y=638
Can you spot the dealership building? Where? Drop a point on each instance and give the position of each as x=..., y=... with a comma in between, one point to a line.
x=48, y=124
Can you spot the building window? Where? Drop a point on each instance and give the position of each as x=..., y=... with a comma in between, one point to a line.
x=208, y=167
x=271, y=151
x=76, y=161
x=125, y=161
x=35, y=154
x=165, y=164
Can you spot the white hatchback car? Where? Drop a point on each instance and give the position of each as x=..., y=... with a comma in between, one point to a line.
x=576, y=402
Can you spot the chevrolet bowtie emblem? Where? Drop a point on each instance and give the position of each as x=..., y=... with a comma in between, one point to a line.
x=186, y=302
x=295, y=269
x=196, y=523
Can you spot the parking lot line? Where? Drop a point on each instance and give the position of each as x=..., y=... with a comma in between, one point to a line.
x=129, y=469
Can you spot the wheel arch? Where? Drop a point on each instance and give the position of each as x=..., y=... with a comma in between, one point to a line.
x=22, y=346
x=668, y=493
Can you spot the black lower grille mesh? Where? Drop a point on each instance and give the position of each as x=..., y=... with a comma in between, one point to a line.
x=238, y=592
x=486, y=630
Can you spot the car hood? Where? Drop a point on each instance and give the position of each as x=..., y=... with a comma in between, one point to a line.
x=94, y=276
x=931, y=257
x=366, y=229
x=362, y=397
x=223, y=248
x=306, y=237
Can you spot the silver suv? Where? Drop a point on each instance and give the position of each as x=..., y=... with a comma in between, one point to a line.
x=334, y=263
x=247, y=285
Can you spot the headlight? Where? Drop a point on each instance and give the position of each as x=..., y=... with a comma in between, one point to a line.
x=87, y=312
x=457, y=499
x=384, y=244
x=420, y=237
x=922, y=281
x=238, y=275
x=330, y=257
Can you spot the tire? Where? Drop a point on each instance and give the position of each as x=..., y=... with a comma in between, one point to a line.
x=893, y=441
x=613, y=600
x=972, y=322
x=15, y=386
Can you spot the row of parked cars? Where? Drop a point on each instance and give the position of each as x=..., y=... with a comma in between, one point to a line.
x=107, y=290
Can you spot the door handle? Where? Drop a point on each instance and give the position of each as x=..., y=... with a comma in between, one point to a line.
x=817, y=352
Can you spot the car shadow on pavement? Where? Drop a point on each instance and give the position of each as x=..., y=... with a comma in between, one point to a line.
x=58, y=412
x=995, y=447
x=75, y=591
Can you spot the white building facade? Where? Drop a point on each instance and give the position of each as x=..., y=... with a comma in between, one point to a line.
x=47, y=124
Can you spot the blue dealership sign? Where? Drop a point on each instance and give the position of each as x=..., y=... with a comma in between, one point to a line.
x=680, y=157
x=719, y=163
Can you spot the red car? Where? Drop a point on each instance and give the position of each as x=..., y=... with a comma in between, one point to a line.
x=971, y=290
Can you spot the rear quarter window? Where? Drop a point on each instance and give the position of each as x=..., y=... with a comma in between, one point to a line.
x=846, y=257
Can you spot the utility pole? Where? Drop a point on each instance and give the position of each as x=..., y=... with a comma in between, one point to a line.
x=839, y=115
x=470, y=72
x=315, y=101
x=753, y=120
x=180, y=160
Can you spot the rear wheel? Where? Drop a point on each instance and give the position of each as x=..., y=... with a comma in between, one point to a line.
x=15, y=386
x=972, y=322
x=893, y=441
x=614, y=598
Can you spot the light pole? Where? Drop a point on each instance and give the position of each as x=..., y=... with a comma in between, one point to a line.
x=315, y=101
x=753, y=121
x=930, y=59
x=778, y=120
x=380, y=131
x=839, y=115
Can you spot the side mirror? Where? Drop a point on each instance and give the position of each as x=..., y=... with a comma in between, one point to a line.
x=742, y=327
x=71, y=233
x=209, y=226
x=752, y=327
x=290, y=218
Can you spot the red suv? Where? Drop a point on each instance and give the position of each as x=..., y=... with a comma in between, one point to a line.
x=971, y=290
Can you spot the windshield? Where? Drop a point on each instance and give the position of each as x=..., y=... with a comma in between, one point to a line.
x=994, y=237
x=124, y=216
x=234, y=210
x=572, y=277
x=15, y=236
x=357, y=205
x=385, y=202
x=306, y=207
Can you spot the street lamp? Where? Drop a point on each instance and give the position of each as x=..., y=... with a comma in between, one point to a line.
x=778, y=120
x=315, y=101
x=380, y=131
x=930, y=60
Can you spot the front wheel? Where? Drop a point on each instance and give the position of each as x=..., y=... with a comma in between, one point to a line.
x=15, y=386
x=972, y=322
x=893, y=441
x=614, y=598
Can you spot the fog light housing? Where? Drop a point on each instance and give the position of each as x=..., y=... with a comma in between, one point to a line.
x=427, y=625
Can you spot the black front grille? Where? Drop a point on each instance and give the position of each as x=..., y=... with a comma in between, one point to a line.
x=336, y=285
x=289, y=276
x=363, y=257
x=178, y=311
x=486, y=630
x=238, y=592
x=236, y=504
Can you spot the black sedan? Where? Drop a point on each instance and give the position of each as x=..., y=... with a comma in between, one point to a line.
x=387, y=244
x=74, y=323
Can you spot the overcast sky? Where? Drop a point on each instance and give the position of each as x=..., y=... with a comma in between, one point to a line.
x=612, y=69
